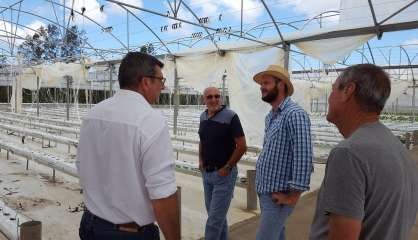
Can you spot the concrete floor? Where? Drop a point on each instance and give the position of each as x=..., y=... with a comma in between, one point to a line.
x=36, y=184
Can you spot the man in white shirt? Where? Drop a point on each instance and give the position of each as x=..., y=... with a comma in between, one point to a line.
x=125, y=160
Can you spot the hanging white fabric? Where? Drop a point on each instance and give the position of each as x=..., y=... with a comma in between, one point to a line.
x=244, y=92
x=331, y=50
x=53, y=75
x=204, y=70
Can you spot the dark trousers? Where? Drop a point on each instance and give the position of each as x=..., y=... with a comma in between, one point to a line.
x=94, y=228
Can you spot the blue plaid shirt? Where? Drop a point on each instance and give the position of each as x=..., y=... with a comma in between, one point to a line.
x=285, y=163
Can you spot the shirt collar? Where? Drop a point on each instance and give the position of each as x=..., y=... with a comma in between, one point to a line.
x=282, y=106
x=131, y=94
x=220, y=109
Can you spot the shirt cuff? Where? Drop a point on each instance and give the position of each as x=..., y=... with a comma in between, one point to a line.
x=162, y=191
x=298, y=187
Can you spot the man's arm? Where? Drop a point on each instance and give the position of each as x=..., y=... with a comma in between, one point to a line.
x=344, y=191
x=240, y=145
x=240, y=149
x=166, y=212
x=158, y=168
x=343, y=228
x=300, y=133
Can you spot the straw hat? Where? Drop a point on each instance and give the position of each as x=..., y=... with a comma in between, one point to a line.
x=278, y=72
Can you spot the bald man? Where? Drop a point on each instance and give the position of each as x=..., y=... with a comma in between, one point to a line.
x=222, y=144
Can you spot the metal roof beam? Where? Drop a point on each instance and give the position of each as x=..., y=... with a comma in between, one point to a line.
x=274, y=21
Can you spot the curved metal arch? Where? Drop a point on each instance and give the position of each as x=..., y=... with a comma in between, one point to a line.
x=303, y=67
x=203, y=26
x=49, y=20
x=274, y=21
x=177, y=40
x=203, y=38
x=315, y=17
x=149, y=28
x=409, y=62
x=363, y=55
x=370, y=51
x=266, y=23
x=173, y=43
x=191, y=23
x=93, y=21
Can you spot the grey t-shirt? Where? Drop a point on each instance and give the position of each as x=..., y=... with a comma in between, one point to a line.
x=370, y=177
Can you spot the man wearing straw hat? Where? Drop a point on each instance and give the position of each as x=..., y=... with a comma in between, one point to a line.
x=284, y=166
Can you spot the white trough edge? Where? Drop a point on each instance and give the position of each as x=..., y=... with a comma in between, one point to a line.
x=10, y=220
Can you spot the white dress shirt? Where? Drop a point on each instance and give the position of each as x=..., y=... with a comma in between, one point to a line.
x=125, y=159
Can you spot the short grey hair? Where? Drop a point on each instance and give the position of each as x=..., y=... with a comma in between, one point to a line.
x=372, y=86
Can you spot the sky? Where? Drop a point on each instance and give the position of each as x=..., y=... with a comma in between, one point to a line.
x=128, y=32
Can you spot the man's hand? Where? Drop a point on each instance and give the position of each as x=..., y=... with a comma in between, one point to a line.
x=286, y=199
x=223, y=172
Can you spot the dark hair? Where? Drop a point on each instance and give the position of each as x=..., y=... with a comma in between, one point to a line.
x=372, y=86
x=277, y=80
x=134, y=66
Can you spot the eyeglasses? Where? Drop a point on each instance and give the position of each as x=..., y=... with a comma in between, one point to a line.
x=217, y=96
x=162, y=79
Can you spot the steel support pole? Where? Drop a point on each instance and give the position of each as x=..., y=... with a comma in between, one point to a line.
x=223, y=89
x=251, y=192
x=37, y=96
x=176, y=96
x=413, y=97
x=286, y=48
x=68, y=97
x=111, y=66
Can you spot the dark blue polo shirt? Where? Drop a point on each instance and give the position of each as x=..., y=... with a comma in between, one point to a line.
x=217, y=136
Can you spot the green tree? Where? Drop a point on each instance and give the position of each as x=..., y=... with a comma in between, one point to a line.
x=72, y=44
x=149, y=49
x=48, y=45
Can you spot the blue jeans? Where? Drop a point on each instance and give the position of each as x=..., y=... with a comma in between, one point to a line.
x=93, y=228
x=273, y=219
x=218, y=195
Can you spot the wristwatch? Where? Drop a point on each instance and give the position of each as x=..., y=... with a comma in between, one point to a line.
x=228, y=167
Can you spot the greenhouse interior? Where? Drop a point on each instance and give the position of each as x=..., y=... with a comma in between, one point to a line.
x=60, y=58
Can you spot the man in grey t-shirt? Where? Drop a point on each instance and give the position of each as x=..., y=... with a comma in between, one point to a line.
x=370, y=188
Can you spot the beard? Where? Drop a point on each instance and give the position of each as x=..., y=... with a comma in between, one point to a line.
x=271, y=95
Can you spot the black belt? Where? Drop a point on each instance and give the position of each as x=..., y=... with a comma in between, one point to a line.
x=125, y=227
x=210, y=168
